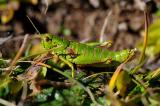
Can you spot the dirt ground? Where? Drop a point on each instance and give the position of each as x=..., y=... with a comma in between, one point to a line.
x=83, y=18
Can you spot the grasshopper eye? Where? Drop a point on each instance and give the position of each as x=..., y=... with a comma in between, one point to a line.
x=47, y=39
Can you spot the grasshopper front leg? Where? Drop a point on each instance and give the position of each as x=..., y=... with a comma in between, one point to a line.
x=69, y=64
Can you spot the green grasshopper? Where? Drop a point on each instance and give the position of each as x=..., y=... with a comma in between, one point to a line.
x=72, y=52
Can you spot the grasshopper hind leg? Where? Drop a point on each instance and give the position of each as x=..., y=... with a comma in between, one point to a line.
x=69, y=64
x=105, y=44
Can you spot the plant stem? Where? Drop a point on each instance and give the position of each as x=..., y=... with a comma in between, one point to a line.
x=142, y=56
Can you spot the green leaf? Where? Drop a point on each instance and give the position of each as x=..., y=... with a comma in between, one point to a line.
x=123, y=81
x=18, y=71
x=4, y=82
x=44, y=95
x=68, y=97
x=15, y=86
x=42, y=73
x=3, y=63
x=101, y=101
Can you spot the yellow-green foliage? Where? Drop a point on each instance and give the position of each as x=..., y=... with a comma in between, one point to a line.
x=7, y=9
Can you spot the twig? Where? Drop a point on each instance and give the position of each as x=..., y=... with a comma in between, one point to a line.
x=24, y=94
x=18, y=54
x=20, y=51
x=46, y=3
x=32, y=72
x=93, y=75
x=20, y=38
x=6, y=103
x=91, y=96
x=3, y=40
x=142, y=84
x=55, y=84
x=104, y=26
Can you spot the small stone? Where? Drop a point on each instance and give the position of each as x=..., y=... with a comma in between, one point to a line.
x=122, y=26
x=95, y=3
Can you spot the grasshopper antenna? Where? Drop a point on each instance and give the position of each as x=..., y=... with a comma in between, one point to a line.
x=33, y=25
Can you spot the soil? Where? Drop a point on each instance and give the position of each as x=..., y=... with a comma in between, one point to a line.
x=84, y=18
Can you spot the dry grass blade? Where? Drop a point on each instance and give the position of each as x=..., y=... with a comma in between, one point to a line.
x=3, y=40
x=20, y=50
x=6, y=103
x=55, y=84
x=114, y=77
x=32, y=72
x=96, y=74
x=18, y=54
x=142, y=56
x=46, y=3
x=105, y=25
x=24, y=94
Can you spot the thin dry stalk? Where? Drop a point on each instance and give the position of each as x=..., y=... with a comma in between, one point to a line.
x=46, y=9
x=6, y=103
x=142, y=56
x=55, y=84
x=18, y=55
x=104, y=26
x=24, y=94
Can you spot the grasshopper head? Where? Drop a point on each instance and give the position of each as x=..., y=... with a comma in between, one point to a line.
x=50, y=41
x=47, y=41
